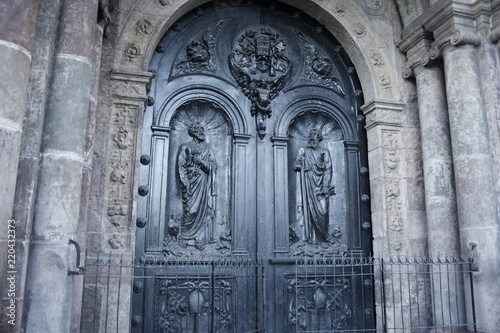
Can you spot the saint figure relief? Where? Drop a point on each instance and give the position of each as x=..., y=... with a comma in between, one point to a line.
x=314, y=168
x=197, y=173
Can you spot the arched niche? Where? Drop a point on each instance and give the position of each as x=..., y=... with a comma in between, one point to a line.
x=342, y=139
x=164, y=208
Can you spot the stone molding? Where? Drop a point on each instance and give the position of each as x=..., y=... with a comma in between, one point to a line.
x=494, y=33
x=131, y=86
x=417, y=48
x=456, y=24
x=445, y=24
x=379, y=112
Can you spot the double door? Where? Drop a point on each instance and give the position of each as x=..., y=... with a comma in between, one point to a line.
x=254, y=178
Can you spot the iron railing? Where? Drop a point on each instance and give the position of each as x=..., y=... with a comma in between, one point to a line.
x=396, y=294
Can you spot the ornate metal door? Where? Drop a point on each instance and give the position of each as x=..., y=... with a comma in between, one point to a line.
x=253, y=149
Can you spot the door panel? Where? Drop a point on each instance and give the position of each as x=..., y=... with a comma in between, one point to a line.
x=253, y=151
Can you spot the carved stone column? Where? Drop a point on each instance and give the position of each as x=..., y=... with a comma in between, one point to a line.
x=458, y=30
x=442, y=222
x=49, y=297
x=17, y=32
x=473, y=172
x=440, y=201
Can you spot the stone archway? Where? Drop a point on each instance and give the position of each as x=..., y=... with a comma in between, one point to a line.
x=126, y=87
x=124, y=97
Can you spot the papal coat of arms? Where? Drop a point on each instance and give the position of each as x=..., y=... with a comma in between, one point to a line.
x=261, y=67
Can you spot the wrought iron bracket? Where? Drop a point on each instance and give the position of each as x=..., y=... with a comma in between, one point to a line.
x=473, y=265
x=81, y=269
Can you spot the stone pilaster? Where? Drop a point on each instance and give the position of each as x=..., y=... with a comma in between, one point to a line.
x=17, y=32
x=384, y=123
x=397, y=222
x=49, y=297
x=113, y=221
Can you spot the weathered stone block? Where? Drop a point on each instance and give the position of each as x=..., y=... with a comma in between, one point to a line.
x=17, y=22
x=49, y=271
x=65, y=124
x=58, y=213
x=10, y=141
x=14, y=74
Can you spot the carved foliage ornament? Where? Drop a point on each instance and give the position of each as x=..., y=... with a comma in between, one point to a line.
x=260, y=65
x=374, y=7
x=318, y=69
x=199, y=54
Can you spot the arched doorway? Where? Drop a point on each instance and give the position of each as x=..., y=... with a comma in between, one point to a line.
x=253, y=148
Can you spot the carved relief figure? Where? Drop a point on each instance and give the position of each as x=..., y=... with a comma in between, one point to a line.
x=314, y=168
x=197, y=173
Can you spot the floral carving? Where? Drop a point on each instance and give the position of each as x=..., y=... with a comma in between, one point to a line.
x=376, y=58
x=393, y=193
x=359, y=30
x=391, y=144
x=122, y=138
x=385, y=83
x=339, y=8
x=127, y=89
x=143, y=27
x=132, y=51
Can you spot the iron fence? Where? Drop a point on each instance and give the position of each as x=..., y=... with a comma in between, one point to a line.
x=396, y=295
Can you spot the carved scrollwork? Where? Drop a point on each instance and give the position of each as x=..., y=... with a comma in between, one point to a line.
x=183, y=305
x=260, y=65
x=199, y=55
x=320, y=304
x=318, y=69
